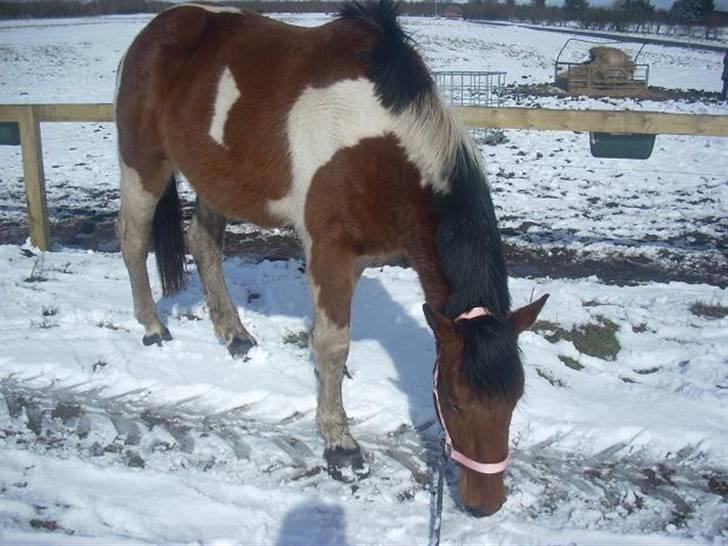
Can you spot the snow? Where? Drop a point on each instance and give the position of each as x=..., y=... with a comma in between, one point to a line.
x=195, y=488
x=105, y=441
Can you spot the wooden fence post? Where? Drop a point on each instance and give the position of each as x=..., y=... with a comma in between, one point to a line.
x=35, y=192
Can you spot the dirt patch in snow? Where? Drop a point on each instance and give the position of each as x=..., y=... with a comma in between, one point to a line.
x=97, y=232
x=654, y=93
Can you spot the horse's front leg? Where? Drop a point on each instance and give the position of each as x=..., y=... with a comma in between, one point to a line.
x=332, y=277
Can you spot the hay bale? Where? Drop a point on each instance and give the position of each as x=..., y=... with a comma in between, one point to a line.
x=607, y=67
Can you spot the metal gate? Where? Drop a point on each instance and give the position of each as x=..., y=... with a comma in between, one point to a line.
x=471, y=88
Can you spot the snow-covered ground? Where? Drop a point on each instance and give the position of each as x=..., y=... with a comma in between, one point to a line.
x=110, y=441
x=622, y=437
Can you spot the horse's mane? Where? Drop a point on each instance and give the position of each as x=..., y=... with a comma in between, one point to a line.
x=399, y=75
x=468, y=242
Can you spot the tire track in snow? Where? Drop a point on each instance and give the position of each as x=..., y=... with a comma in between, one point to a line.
x=680, y=493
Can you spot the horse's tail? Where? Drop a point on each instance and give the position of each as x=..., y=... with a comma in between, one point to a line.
x=169, y=242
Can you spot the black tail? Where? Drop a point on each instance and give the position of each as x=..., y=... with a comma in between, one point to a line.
x=169, y=241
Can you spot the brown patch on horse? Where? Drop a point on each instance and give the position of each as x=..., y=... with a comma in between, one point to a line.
x=176, y=63
x=370, y=202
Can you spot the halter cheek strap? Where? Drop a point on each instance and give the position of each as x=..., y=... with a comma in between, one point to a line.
x=454, y=454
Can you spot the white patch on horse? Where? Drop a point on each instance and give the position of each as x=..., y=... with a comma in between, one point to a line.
x=211, y=9
x=431, y=135
x=321, y=122
x=227, y=94
x=325, y=120
x=133, y=195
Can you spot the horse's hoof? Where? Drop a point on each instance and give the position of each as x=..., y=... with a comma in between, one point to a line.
x=157, y=339
x=346, y=465
x=239, y=346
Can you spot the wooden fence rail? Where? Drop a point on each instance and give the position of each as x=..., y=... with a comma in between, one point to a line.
x=30, y=116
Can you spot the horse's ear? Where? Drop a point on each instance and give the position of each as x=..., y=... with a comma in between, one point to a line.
x=523, y=318
x=437, y=321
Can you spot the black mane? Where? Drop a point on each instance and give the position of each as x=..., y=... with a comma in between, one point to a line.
x=399, y=75
x=471, y=257
x=468, y=241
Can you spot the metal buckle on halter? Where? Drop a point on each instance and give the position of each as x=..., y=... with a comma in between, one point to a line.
x=446, y=448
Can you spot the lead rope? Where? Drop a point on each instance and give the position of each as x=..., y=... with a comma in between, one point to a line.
x=436, y=519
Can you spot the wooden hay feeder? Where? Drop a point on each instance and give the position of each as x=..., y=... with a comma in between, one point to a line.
x=608, y=72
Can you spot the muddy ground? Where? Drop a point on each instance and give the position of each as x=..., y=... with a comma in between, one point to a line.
x=652, y=93
x=97, y=232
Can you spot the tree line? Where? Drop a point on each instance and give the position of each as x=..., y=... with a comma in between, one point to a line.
x=686, y=17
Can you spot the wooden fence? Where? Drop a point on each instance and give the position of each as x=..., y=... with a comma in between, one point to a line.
x=30, y=116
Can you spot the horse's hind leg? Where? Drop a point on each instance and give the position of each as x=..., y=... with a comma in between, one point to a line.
x=205, y=238
x=332, y=277
x=135, y=227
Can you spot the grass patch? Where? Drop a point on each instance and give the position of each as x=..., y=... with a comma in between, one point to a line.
x=45, y=324
x=550, y=330
x=108, y=325
x=45, y=524
x=189, y=315
x=641, y=328
x=297, y=339
x=571, y=362
x=709, y=310
x=551, y=378
x=597, y=339
x=647, y=371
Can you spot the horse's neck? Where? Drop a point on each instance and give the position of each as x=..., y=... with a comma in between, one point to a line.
x=422, y=252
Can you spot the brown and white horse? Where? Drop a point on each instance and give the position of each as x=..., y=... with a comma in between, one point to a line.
x=339, y=132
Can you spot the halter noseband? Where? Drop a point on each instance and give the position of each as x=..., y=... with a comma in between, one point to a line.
x=454, y=454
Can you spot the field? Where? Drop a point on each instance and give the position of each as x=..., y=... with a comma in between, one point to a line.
x=622, y=437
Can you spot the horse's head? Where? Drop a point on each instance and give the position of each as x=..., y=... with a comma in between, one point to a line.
x=475, y=415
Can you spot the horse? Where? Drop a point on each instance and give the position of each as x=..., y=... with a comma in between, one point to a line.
x=339, y=132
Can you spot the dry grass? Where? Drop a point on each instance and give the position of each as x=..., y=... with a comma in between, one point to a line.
x=597, y=339
x=709, y=310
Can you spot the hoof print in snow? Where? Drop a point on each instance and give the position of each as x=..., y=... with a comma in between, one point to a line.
x=239, y=347
x=157, y=339
x=46, y=525
x=346, y=465
x=134, y=460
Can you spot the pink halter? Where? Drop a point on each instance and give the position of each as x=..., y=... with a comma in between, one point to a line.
x=454, y=454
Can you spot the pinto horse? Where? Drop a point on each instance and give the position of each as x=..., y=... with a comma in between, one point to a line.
x=340, y=132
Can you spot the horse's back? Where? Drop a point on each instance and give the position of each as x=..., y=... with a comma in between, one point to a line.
x=180, y=49
x=210, y=91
